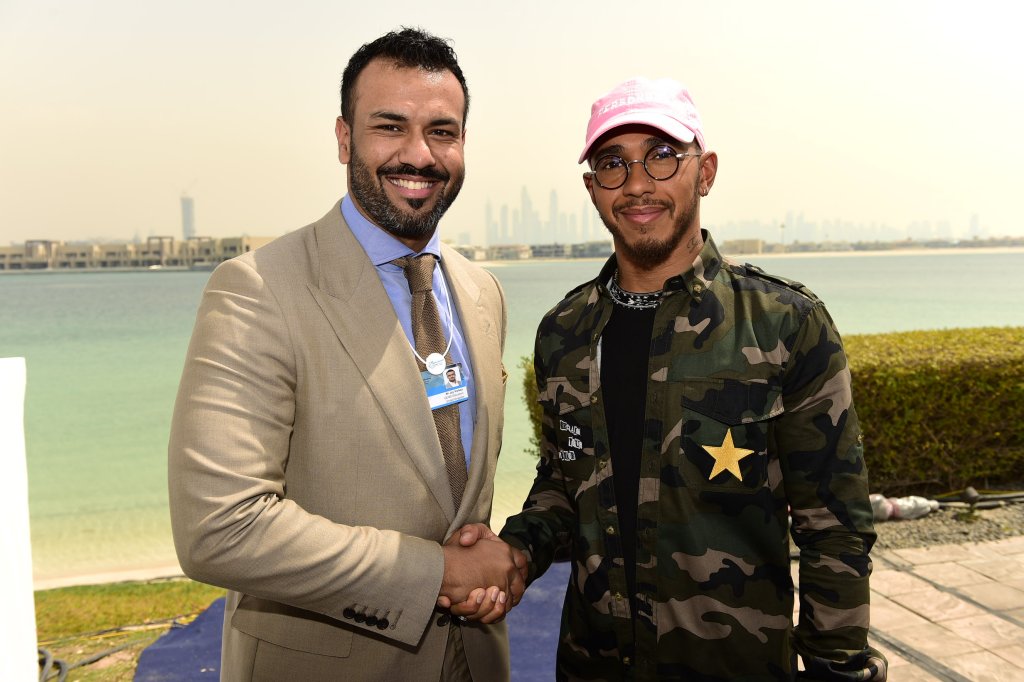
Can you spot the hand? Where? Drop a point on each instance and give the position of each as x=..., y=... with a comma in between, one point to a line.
x=472, y=532
x=483, y=606
x=469, y=564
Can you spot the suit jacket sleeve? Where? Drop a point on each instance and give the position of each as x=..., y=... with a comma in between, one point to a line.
x=233, y=523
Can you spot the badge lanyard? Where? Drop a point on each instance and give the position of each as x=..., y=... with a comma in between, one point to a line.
x=435, y=362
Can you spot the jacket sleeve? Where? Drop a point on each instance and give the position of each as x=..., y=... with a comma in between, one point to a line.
x=826, y=482
x=233, y=523
x=545, y=526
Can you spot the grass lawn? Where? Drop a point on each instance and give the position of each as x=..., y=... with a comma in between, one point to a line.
x=76, y=623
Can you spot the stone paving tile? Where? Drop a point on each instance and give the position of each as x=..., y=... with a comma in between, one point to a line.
x=937, y=554
x=1000, y=569
x=935, y=605
x=889, y=582
x=1014, y=654
x=887, y=615
x=994, y=596
x=1014, y=545
x=988, y=630
x=982, y=666
x=933, y=640
x=1016, y=614
x=895, y=660
x=914, y=674
x=950, y=574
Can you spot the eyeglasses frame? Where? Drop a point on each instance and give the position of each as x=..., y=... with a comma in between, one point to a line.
x=643, y=162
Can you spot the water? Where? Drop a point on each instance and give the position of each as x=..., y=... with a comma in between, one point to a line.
x=105, y=350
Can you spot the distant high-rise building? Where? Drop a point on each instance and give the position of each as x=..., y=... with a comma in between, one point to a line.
x=188, y=217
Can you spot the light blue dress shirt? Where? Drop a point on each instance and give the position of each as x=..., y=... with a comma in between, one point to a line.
x=382, y=248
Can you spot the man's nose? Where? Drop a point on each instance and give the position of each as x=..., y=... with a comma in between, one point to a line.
x=638, y=182
x=416, y=152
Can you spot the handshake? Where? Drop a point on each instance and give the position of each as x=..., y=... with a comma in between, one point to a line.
x=483, y=576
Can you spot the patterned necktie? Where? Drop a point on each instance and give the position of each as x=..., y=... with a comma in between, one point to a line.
x=430, y=338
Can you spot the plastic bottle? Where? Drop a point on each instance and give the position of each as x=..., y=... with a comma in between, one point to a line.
x=910, y=507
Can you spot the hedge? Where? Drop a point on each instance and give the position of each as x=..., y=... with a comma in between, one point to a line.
x=940, y=410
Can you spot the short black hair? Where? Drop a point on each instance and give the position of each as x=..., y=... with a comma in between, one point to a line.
x=408, y=48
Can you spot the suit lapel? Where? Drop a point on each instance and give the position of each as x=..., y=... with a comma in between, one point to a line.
x=354, y=301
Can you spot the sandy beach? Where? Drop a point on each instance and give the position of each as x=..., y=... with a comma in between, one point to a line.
x=132, y=575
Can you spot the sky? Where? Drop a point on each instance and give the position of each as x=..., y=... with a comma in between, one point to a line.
x=855, y=115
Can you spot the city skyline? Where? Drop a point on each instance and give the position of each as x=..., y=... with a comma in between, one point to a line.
x=895, y=118
x=525, y=224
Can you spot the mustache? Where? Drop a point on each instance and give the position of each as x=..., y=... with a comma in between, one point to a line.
x=407, y=169
x=638, y=203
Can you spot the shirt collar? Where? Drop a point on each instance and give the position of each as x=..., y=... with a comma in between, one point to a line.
x=379, y=245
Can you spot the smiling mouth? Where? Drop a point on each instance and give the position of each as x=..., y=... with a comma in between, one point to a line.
x=412, y=184
x=643, y=214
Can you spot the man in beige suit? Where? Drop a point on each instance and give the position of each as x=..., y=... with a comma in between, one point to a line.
x=306, y=471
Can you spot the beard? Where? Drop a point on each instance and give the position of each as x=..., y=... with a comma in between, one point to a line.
x=368, y=190
x=647, y=252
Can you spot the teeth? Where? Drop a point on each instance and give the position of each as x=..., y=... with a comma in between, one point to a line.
x=410, y=184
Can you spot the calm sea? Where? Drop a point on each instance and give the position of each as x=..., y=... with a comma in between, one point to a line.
x=104, y=353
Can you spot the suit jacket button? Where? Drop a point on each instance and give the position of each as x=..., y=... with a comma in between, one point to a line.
x=349, y=613
x=360, y=617
x=371, y=621
x=383, y=624
x=443, y=620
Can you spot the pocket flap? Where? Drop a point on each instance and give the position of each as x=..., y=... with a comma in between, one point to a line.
x=567, y=394
x=732, y=401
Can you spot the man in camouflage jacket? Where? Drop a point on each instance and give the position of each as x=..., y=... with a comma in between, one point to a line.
x=684, y=428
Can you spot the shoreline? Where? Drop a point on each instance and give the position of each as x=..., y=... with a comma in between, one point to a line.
x=156, y=572
x=851, y=253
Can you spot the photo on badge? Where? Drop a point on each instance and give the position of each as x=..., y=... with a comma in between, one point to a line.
x=447, y=388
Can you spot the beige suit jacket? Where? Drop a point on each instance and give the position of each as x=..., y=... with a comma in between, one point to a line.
x=305, y=472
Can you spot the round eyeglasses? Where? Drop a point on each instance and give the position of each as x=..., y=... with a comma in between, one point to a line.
x=661, y=163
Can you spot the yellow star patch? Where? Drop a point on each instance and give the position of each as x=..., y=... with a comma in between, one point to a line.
x=727, y=457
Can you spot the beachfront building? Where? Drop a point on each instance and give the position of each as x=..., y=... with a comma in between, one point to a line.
x=470, y=252
x=508, y=252
x=155, y=253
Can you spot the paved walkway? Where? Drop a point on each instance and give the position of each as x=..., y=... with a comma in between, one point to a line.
x=950, y=612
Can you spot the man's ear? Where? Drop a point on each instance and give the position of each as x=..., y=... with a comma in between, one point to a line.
x=344, y=135
x=708, y=171
x=588, y=182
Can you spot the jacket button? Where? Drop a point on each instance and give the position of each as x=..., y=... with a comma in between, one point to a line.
x=360, y=617
x=371, y=621
x=443, y=620
x=383, y=624
x=349, y=613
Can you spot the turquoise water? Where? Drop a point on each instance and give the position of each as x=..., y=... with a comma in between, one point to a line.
x=104, y=353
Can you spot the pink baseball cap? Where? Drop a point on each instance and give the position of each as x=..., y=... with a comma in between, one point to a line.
x=664, y=104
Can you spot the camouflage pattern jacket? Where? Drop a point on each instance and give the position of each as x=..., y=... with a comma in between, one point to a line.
x=749, y=415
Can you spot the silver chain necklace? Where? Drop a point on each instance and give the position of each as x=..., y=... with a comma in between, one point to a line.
x=629, y=299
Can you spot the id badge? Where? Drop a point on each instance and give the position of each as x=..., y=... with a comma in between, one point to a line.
x=447, y=388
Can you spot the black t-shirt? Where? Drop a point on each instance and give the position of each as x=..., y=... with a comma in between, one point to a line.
x=625, y=350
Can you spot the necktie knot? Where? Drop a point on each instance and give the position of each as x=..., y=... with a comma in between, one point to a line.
x=419, y=271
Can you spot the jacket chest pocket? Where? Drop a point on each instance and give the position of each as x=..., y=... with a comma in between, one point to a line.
x=725, y=433
x=567, y=404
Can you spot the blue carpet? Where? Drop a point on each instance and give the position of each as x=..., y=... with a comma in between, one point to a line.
x=193, y=652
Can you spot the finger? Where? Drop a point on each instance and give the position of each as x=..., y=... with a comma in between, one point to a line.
x=471, y=533
x=497, y=610
x=483, y=606
x=444, y=602
x=519, y=558
x=472, y=603
x=516, y=590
